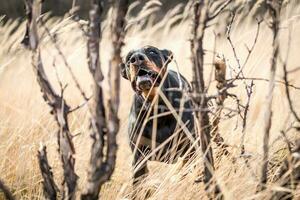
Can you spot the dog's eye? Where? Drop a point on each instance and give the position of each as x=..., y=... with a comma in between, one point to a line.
x=128, y=57
x=152, y=52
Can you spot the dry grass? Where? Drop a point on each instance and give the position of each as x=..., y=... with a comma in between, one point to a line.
x=25, y=120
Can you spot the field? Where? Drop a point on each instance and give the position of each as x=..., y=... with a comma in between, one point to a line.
x=25, y=121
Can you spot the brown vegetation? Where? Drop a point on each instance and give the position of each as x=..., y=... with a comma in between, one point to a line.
x=248, y=132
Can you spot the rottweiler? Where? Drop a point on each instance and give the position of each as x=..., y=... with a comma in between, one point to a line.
x=161, y=119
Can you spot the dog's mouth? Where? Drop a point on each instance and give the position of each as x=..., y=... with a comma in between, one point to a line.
x=144, y=82
x=146, y=79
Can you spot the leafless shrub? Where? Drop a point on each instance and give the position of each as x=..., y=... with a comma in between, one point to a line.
x=287, y=177
x=59, y=107
x=240, y=75
x=118, y=35
x=98, y=125
x=102, y=164
x=202, y=16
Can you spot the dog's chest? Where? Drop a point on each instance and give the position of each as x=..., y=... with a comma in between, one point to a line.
x=158, y=120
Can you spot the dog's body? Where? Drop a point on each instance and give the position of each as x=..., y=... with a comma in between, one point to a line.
x=154, y=127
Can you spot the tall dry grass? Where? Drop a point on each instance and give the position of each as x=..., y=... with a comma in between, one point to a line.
x=25, y=120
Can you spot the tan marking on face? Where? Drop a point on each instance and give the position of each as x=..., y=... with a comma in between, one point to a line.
x=133, y=72
x=152, y=66
x=149, y=94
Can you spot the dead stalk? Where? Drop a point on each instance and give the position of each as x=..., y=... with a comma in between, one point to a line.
x=102, y=164
x=118, y=35
x=274, y=8
x=289, y=172
x=286, y=82
x=98, y=120
x=199, y=23
x=201, y=18
x=49, y=186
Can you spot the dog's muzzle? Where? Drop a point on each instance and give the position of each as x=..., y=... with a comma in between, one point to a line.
x=144, y=82
x=146, y=79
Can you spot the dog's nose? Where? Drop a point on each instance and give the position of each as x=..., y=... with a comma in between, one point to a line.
x=137, y=59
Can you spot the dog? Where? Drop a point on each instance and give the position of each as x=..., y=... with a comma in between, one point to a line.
x=159, y=128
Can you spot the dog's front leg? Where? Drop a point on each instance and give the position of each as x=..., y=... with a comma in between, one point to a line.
x=142, y=169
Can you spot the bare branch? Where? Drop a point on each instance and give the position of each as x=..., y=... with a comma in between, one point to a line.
x=118, y=35
x=229, y=28
x=250, y=50
x=285, y=78
x=102, y=165
x=58, y=105
x=274, y=8
x=249, y=90
x=98, y=120
x=240, y=73
x=200, y=19
x=294, y=70
x=8, y=195
x=80, y=106
x=263, y=79
x=49, y=186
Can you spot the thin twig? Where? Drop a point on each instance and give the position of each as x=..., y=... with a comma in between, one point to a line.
x=80, y=106
x=249, y=90
x=286, y=81
x=263, y=79
x=250, y=50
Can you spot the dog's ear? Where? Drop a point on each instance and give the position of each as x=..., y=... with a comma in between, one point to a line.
x=168, y=56
x=123, y=70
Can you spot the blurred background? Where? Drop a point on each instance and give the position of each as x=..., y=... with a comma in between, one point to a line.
x=15, y=8
x=25, y=121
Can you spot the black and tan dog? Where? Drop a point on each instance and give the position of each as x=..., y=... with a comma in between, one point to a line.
x=160, y=128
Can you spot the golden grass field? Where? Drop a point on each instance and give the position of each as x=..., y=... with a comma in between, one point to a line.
x=25, y=121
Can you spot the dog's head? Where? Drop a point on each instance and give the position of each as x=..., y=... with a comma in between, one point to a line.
x=145, y=67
